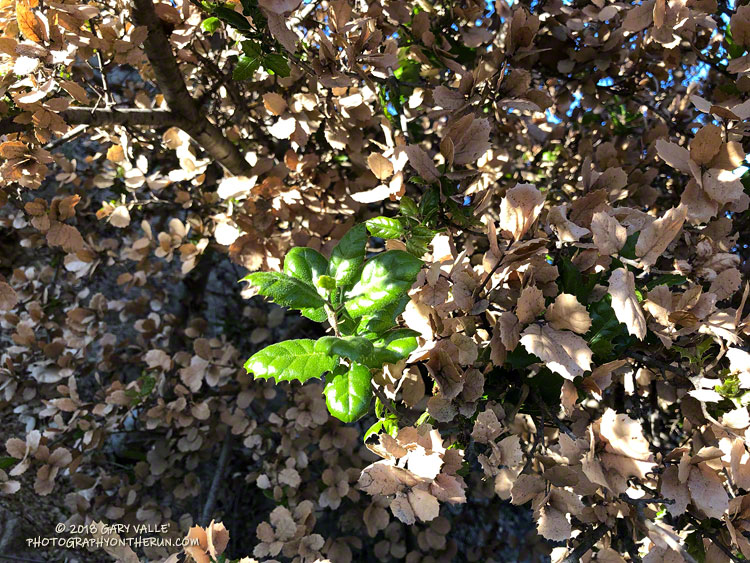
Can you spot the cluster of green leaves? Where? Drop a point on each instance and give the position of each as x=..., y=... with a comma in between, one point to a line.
x=256, y=51
x=254, y=57
x=146, y=386
x=415, y=224
x=360, y=297
x=698, y=354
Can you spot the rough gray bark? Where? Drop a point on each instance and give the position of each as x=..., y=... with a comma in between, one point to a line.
x=113, y=116
x=180, y=102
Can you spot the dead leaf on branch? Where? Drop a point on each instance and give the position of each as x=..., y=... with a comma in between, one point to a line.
x=29, y=24
x=609, y=235
x=566, y=313
x=706, y=144
x=625, y=303
x=563, y=352
x=519, y=209
x=656, y=237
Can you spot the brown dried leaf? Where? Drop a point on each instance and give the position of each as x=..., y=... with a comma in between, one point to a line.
x=486, y=427
x=553, y=524
x=730, y=156
x=722, y=186
x=274, y=103
x=707, y=491
x=625, y=303
x=672, y=488
x=65, y=236
x=530, y=304
x=380, y=166
x=526, y=488
x=76, y=90
x=13, y=149
x=115, y=153
x=563, y=352
x=726, y=283
x=469, y=143
x=8, y=297
x=426, y=507
x=609, y=235
x=566, y=313
x=279, y=6
x=624, y=436
x=701, y=208
x=29, y=24
x=401, y=508
x=120, y=217
x=217, y=537
x=656, y=237
x=113, y=544
x=674, y=155
x=519, y=209
x=706, y=144
x=422, y=163
x=639, y=17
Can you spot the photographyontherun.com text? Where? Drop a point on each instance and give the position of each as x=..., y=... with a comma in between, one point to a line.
x=108, y=535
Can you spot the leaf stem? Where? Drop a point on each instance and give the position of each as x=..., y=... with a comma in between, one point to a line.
x=384, y=400
x=331, y=314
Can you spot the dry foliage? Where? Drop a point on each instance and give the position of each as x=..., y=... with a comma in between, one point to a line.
x=572, y=175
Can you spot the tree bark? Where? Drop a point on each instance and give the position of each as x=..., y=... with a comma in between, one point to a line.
x=180, y=102
x=114, y=116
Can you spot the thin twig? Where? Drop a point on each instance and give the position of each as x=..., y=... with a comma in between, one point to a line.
x=640, y=503
x=711, y=536
x=588, y=541
x=487, y=278
x=495, y=268
x=212, y=492
x=721, y=546
x=643, y=358
x=72, y=134
x=559, y=423
x=537, y=440
x=384, y=400
x=108, y=98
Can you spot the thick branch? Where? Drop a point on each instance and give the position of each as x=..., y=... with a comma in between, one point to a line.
x=172, y=86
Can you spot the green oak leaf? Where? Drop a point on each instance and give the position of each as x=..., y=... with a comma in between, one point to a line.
x=385, y=279
x=277, y=63
x=6, y=462
x=245, y=68
x=290, y=360
x=210, y=25
x=407, y=206
x=305, y=264
x=348, y=394
x=393, y=346
x=248, y=62
x=385, y=227
x=308, y=265
x=232, y=18
x=371, y=326
x=354, y=348
x=348, y=255
x=666, y=279
x=286, y=290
